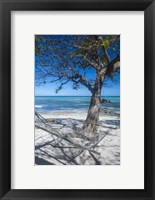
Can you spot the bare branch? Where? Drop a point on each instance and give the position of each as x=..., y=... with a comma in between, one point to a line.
x=111, y=67
x=61, y=85
x=90, y=62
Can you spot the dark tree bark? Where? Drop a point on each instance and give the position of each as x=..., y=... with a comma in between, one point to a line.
x=91, y=123
x=90, y=126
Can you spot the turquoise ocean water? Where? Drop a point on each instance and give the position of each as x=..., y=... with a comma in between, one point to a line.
x=52, y=103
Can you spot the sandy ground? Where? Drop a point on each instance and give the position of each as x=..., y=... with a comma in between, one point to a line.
x=108, y=147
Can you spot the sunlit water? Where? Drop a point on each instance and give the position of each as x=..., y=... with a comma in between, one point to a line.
x=70, y=103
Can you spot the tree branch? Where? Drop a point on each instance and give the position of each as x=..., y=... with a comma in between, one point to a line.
x=90, y=62
x=104, y=49
x=61, y=86
x=111, y=67
x=83, y=81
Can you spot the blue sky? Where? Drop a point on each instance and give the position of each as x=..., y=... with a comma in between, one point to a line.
x=48, y=89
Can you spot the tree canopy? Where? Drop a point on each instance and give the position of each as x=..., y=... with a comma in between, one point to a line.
x=69, y=58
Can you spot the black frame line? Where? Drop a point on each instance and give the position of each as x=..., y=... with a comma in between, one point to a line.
x=6, y=6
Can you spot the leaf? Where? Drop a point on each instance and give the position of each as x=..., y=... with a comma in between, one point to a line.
x=106, y=43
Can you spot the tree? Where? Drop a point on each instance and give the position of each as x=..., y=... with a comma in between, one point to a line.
x=68, y=58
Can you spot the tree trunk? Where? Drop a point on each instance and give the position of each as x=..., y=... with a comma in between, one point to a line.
x=90, y=126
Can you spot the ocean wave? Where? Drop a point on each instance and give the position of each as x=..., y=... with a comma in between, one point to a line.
x=38, y=106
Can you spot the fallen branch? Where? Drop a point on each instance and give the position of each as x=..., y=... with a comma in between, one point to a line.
x=68, y=139
x=67, y=152
x=52, y=156
x=103, y=126
x=97, y=162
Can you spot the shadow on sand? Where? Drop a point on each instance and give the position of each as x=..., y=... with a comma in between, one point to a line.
x=40, y=161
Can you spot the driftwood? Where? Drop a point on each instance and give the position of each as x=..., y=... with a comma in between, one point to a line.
x=65, y=148
x=68, y=139
x=111, y=127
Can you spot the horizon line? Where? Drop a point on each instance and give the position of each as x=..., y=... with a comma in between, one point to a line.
x=75, y=95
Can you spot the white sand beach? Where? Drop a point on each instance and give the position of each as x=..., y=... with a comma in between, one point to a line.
x=48, y=146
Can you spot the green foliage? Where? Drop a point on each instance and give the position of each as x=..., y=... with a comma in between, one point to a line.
x=39, y=40
x=106, y=43
x=37, y=44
